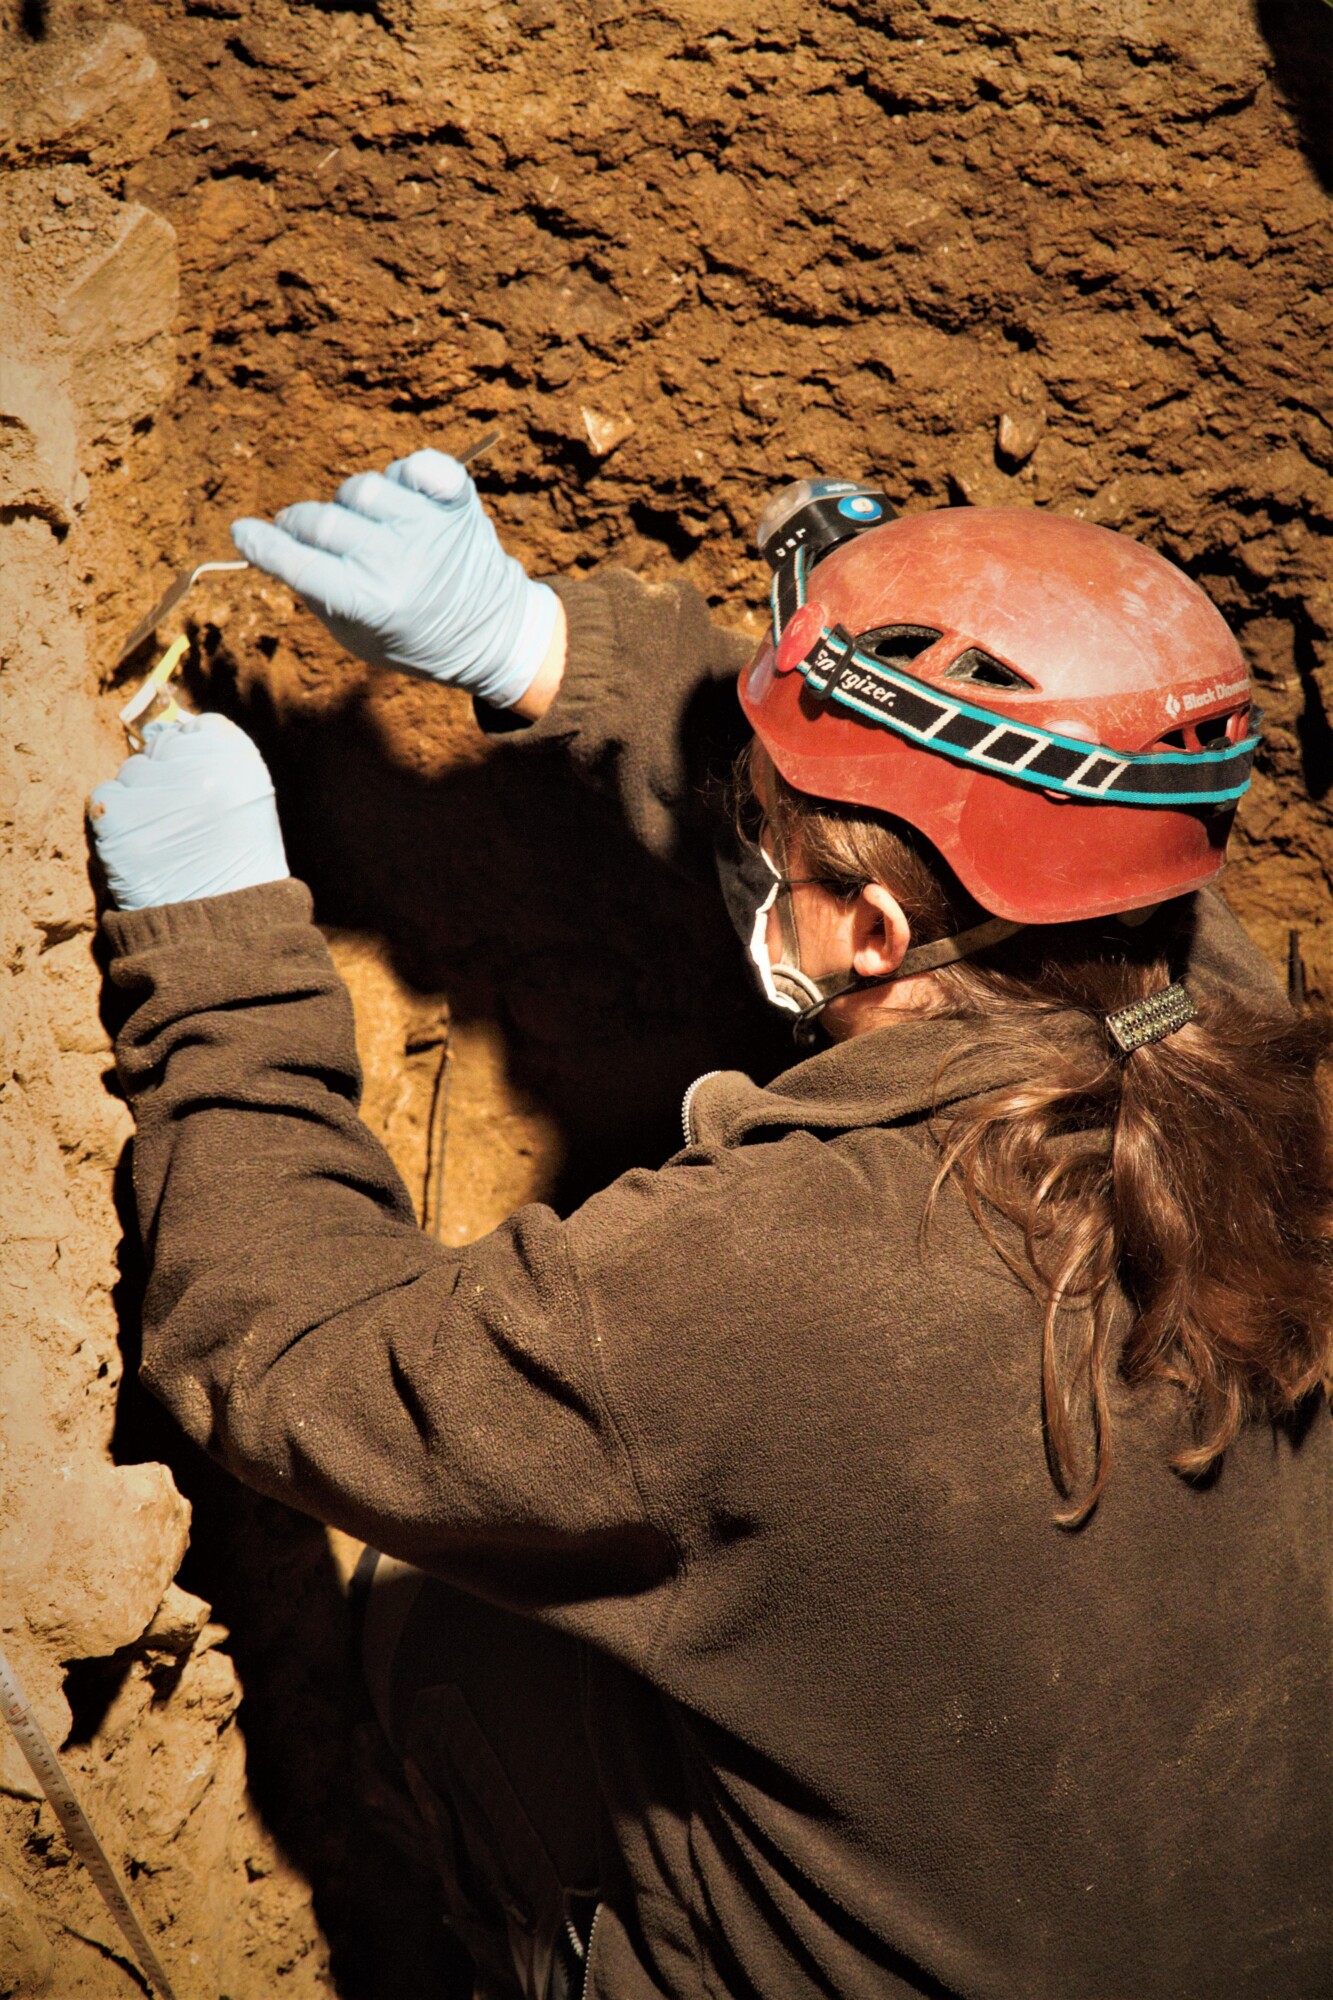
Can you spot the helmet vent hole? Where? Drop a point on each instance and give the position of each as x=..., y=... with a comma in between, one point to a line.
x=977, y=669
x=1213, y=732
x=896, y=645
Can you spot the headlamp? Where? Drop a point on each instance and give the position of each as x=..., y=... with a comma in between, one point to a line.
x=803, y=523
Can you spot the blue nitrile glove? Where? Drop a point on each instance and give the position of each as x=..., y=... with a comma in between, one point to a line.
x=192, y=814
x=406, y=571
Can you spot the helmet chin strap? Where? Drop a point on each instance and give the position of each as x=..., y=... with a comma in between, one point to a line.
x=800, y=994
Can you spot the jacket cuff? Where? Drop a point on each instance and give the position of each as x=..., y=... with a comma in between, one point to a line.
x=592, y=656
x=244, y=914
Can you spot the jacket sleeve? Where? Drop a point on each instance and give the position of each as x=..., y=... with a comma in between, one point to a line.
x=647, y=712
x=444, y=1404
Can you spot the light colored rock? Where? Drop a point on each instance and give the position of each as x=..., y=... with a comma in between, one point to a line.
x=87, y=1548
x=93, y=1569
x=25, y=1951
x=177, y=1622
x=605, y=432
x=116, y=318
x=1018, y=434
x=88, y=93
x=38, y=443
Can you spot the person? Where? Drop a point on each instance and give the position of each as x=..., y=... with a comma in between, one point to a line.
x=884, y=1548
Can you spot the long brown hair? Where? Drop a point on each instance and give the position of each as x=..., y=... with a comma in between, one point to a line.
x=1193, y=1177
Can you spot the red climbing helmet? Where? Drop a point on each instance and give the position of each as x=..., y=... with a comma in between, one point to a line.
x=1062, y=713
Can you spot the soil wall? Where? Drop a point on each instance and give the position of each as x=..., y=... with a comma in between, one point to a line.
x=1065, y=252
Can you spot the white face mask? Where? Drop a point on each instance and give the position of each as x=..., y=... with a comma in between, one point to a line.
x=757, y=946
x=753, y=892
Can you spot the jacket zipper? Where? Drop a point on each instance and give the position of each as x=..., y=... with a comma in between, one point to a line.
x=587, y=1952
x=687, y=1108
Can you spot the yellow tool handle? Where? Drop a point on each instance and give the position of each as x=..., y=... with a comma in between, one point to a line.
x=152, y=689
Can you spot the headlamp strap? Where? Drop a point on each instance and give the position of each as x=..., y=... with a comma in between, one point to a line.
x=840, y=669
x=949, y=950
x=921, y=958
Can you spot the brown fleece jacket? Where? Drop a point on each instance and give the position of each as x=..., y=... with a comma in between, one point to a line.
x=866, y=1721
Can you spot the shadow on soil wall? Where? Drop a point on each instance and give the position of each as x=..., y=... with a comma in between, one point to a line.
x=513, y=893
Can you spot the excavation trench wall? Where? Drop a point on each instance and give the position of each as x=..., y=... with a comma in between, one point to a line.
x=1063, y=252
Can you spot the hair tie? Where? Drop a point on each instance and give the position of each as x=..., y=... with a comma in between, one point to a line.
x=1150, y=1020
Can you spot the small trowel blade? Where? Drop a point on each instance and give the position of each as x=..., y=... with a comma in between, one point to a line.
x=170, y=601
x=167, y=602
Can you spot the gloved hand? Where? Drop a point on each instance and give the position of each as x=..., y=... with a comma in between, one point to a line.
x=192, y=814
x=406, y=571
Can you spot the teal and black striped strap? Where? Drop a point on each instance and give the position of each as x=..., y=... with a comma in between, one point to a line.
x=835, y=670
x=786, y=593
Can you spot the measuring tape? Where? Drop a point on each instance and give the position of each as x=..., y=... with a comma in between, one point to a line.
x=46, y=1769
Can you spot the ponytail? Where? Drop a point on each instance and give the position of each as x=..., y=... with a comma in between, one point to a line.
x=1192, y=1178
x=1221, y=1205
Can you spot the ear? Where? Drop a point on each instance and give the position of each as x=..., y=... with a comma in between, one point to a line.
x=881, y=933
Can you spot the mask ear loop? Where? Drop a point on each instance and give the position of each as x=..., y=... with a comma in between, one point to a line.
x=921, y=958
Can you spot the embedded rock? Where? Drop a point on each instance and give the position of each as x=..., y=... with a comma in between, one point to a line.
x=92, y=94
x=26, y=1958
x=115, y=320
x=38, y=443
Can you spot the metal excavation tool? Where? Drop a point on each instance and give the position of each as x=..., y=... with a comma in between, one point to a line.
x=168, y=602
x=142, y=704
x=47, y=1770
